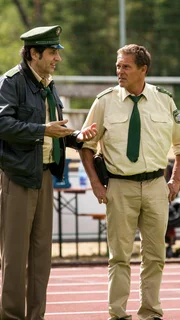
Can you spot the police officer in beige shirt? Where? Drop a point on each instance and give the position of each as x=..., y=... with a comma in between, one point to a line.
x=137, y=195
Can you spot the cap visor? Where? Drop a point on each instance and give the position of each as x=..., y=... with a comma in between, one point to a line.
x=57, y=46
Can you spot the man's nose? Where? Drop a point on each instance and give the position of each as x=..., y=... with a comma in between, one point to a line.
x=58, y=57
x=121, y=70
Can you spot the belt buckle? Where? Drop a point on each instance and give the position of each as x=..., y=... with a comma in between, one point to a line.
x=143, y=176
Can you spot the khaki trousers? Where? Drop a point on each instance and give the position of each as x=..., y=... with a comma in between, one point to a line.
x=26, y=236
x=130, y=205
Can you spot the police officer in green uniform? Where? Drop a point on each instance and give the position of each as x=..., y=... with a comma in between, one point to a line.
x=137, y=123
x=33, y=137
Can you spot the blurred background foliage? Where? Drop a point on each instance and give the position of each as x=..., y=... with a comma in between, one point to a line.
x=91, y=33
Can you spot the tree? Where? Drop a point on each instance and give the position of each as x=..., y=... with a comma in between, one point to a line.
x=155, y=24
x=33, y=6
x=91, y=32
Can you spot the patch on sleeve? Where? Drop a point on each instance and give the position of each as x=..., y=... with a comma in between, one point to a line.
x=104, y=92
x=164, y=91
x=176, y=115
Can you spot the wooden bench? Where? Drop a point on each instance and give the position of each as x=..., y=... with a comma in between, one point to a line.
x=101, y=217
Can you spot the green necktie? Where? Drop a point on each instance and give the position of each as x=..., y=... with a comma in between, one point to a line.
x=134, y=131
x=52, y=110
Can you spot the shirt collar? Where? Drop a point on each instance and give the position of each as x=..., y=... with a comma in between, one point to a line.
x=126, y=93
x=45, y=81
x=145, y=91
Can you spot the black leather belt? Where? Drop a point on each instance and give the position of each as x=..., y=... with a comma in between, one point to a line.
x=46, y=166
x=139, y=177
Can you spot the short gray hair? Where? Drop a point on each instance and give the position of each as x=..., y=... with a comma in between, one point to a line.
x=141, y=54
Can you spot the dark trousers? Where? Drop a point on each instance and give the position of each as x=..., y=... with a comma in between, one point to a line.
x=26, y=241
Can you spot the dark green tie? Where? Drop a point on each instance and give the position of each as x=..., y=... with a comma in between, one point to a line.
x=52, y=111
x=134, y=131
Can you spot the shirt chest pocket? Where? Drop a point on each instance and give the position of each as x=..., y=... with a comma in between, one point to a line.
x=116, y=127
x=159, y=118
x=160, y=126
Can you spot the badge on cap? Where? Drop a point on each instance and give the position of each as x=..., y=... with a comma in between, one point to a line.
x=176, y=115
x=58, y=30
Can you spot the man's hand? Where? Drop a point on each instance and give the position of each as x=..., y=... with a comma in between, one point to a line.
x=99, y=191
x=56, y=129
x=174, y=189
x=87, y=133
x=174, y=182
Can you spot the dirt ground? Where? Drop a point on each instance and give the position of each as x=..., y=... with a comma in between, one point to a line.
x=90, y=251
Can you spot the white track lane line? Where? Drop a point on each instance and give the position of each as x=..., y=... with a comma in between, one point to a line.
x=98, y=312
x=61, y=284
x=100, y=301
x=97, y=275
x=103, y=291
x=167, y=266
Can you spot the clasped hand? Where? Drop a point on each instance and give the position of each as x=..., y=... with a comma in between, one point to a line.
x=57, y=129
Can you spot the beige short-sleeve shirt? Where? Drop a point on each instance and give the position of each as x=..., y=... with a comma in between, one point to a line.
x=160, y=128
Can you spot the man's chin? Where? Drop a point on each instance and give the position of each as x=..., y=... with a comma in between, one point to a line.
x=122, y=84
x=52, y=69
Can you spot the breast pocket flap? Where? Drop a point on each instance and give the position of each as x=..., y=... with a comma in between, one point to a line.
x=159, y=117
x=115, y=119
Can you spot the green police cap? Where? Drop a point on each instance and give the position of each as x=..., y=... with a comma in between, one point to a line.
x=43, y=36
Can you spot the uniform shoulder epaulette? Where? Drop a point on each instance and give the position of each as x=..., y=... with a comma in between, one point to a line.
x=164, y=91
x=10, y=73
x=104, y=92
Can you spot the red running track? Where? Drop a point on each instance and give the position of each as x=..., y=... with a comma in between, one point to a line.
x=80, y=293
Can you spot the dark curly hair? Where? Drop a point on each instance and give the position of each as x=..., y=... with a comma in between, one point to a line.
x=26, y=53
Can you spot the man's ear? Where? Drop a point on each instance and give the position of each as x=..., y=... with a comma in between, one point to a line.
x=34, y=54
x=144, y=69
